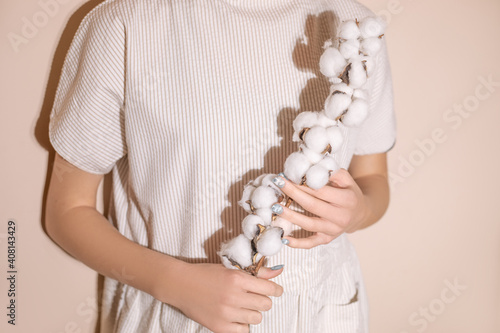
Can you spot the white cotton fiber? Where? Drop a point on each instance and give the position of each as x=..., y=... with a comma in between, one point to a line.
x=342, y=87
x=315, y=139
x=336, y=104
x=249, y=225
x=303, y=120
x=356, y=74
x=372, y=27
x=371, y=46
x=226, y=262
x=349, y=48
x=266, y=214
x=334, y=137
x=238, y=249
x=267, y=180
x=329, y=163
x=247, y=194
x=335, y=80
x=312, y=156
x=356, y=114
x=295, y=167
x=269, y=243
x=349, y=30
x=317, y=177
x=324, y=121
x=263, y=197
x=258, y=181
x=331, y=62
x=286, y=225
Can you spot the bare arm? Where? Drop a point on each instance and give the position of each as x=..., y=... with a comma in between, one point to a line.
x=370, y=173
x=210, y=294
x=74, y=223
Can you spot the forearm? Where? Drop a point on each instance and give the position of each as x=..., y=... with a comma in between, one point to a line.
x=375, y=190
x=89, y=237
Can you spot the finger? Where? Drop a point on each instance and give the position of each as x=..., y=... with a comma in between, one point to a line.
x=305, y=200
x=263, y=287
x=267, y=273
x=255, y=302
x=341, y=178
x=328, y=193
x=313, y=224
x=238, y=328
x=245, y=316
x=311, y=241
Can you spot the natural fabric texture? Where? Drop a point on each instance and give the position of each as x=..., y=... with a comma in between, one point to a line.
x=184, y=102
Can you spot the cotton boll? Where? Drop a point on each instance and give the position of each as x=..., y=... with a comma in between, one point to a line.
x=296, y=166
x=356, y=114
x=269, y=243
x=356, y=75
x=334, y=137
x=226, y=262
x=263, y=197
x=286, y=225
x=372, y=27
x=266, y=214
x=329, y=163
x=324, y=121
x=258, y=181
x=247, y=194
x=371, y=46
x=303, y=120
x=349, y=30
x=334, y=80
x=336, y=104
x=268, y=181
x=328, y=43
x=341, y=87
x=317, y=177
x=312, y=156
x=315, y=139
x=349, y=48
x=331, y=62
x=249, y=225
x=238, y=249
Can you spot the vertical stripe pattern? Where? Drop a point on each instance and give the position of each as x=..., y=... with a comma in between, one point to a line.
x=184, y=102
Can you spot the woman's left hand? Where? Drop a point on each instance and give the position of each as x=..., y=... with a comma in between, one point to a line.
x=340, y=206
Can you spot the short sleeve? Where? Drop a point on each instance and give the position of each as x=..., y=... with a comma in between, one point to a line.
x=377, y=134
x=87, y=120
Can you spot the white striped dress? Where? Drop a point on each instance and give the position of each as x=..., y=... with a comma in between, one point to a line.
x=184, y=102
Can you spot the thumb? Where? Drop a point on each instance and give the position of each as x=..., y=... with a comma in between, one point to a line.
x=268, y=273
x=341, y=178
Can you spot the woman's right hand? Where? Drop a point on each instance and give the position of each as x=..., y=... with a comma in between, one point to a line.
x=221, y=299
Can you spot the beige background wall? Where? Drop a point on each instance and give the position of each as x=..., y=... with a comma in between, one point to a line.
x=431, y=265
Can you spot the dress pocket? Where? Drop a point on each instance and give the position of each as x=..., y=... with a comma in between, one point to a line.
x=341, y=308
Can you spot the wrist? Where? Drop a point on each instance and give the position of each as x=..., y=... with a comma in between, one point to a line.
x=170, y=275
x=364, y=215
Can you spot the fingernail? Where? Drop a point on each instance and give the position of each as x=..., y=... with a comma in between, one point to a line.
x=282, y=174
x=275, y=268
x=278, y=181
x=285, y=241
x=277, y=209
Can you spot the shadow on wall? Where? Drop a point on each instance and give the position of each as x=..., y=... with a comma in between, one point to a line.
x=42, y=124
